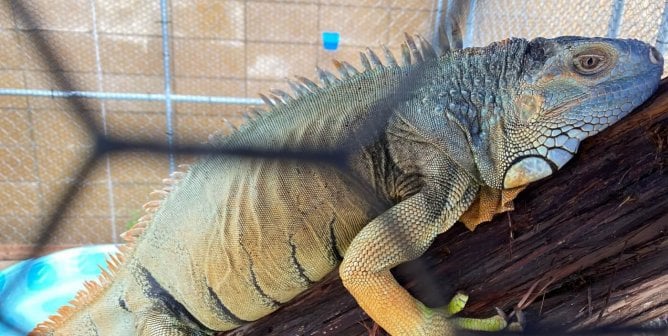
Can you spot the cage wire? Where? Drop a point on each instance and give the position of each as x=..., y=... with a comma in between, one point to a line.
x=161, y=74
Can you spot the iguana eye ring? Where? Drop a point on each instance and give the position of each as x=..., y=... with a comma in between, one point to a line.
x=589, y=64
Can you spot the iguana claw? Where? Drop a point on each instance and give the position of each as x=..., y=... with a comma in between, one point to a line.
x=519, y=324
x=514, y=326
x=500, y=312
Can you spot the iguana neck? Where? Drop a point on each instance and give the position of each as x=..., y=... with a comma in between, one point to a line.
x=475, y=89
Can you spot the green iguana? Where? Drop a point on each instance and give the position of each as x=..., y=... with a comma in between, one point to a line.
x=420, y=145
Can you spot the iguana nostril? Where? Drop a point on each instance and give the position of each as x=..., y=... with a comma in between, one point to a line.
x=655, y=56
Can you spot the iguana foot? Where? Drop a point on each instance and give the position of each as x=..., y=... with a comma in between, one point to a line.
x=494, y=323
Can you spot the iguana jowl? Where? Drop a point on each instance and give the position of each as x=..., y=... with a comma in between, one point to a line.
x=236, y=237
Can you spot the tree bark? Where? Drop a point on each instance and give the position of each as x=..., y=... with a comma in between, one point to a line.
x=592, y=241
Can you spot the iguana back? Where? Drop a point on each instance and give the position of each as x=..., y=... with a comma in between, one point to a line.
x=408, y=149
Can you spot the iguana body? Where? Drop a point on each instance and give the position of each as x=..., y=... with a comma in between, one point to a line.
x=413, y=147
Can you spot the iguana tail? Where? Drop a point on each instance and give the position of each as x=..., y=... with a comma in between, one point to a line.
x=88, y=308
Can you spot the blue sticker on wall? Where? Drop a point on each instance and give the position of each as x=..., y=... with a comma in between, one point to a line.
x=330, y=40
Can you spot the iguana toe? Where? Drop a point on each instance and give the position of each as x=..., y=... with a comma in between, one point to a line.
x=494, y=323
x=457, y=303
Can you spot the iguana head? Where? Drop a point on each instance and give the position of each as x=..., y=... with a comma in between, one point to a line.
x=570, y=88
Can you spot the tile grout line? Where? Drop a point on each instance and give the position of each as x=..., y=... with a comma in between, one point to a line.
x=245, y=42
x=164, y=24
x=319, y=32
x=31, y=122
x=103, y=111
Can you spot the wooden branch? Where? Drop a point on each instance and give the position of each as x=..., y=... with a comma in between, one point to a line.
x=592, y=242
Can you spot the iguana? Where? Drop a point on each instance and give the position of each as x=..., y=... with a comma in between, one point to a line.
x=409, y=150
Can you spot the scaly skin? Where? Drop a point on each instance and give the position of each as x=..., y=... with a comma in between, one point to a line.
x=423, y=144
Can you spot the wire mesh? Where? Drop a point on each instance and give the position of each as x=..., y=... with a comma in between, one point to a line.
x=496, y=20
x=218, y=49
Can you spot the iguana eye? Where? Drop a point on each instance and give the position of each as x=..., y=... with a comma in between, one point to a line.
x=589, y=64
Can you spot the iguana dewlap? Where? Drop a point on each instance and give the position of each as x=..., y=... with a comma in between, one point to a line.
x=417, y=146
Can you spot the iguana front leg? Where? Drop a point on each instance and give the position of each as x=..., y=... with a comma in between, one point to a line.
x=402, y=233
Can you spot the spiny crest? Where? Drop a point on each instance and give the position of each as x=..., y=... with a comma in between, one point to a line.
x=229, y=128
x=412, y=52
x=151, y=207
x=84, y=297
x=455, y=41
x=93, y=289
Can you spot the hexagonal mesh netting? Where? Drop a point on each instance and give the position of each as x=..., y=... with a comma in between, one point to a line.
x=174, y=80
x=169, y=72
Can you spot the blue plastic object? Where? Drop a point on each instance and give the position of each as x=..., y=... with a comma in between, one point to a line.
x=330, y=40
x=32, y=290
